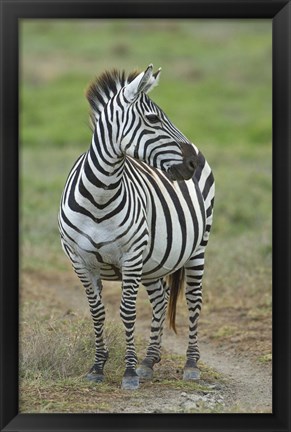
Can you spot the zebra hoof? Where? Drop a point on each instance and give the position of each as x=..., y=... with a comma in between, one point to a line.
x=130, y=382
x=95, y=377
x=191, y=374
x=95, y=374
x=145, y=372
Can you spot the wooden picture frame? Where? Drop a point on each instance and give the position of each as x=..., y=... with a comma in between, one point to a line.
x=279, y=11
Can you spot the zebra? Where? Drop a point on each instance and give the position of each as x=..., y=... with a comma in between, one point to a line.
x=137, y=208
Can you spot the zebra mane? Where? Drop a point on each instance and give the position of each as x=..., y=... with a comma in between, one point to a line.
x=103, y=88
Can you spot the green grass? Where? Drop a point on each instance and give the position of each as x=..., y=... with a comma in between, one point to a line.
x=43, y=175
x=265, y=358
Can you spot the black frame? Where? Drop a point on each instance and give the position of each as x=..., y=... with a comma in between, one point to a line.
x=280, y=13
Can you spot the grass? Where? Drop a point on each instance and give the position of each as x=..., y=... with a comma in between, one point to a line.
x=41, y=187
x=216, y=87
x=266, y=358
x=56, y=351
x=61, y=346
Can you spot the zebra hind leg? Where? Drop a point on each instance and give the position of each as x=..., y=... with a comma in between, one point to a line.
x=93, y=288
x=158, y=293
x=194, y=273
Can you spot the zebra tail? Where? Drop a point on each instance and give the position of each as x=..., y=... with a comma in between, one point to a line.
x=176, y=282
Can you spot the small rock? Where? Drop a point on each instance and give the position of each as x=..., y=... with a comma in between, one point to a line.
x=194, y=397
x=188, y=405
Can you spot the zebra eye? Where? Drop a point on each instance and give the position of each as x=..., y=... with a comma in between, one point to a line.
x=153, y=118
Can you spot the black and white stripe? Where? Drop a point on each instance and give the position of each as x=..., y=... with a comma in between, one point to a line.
x=137, y=207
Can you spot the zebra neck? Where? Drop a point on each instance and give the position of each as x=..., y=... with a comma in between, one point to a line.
x=103, y=165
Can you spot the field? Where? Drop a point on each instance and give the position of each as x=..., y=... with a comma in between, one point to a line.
x=216, y=88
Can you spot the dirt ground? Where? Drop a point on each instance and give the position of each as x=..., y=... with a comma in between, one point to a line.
x=233, y=342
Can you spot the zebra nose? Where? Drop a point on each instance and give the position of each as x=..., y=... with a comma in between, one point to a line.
x=191, y=163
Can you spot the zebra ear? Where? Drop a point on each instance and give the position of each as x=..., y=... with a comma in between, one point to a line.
x=139, y=84
x=154, y=81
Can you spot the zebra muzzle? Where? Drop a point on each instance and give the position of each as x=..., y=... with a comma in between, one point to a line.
x=181, y=171
x=184, y=170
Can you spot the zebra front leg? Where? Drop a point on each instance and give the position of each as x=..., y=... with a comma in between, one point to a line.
x=194, y=274
x=131, y=279
x=157, y=293
x=93, y=290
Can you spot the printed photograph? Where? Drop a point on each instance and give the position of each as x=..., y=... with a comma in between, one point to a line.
x=145, y=216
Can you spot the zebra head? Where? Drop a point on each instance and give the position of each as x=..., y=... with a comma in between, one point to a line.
x=128, y=120
x=150, y=136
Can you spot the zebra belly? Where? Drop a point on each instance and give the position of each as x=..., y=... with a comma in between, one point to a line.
x=177, y=226
x=165, y=257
